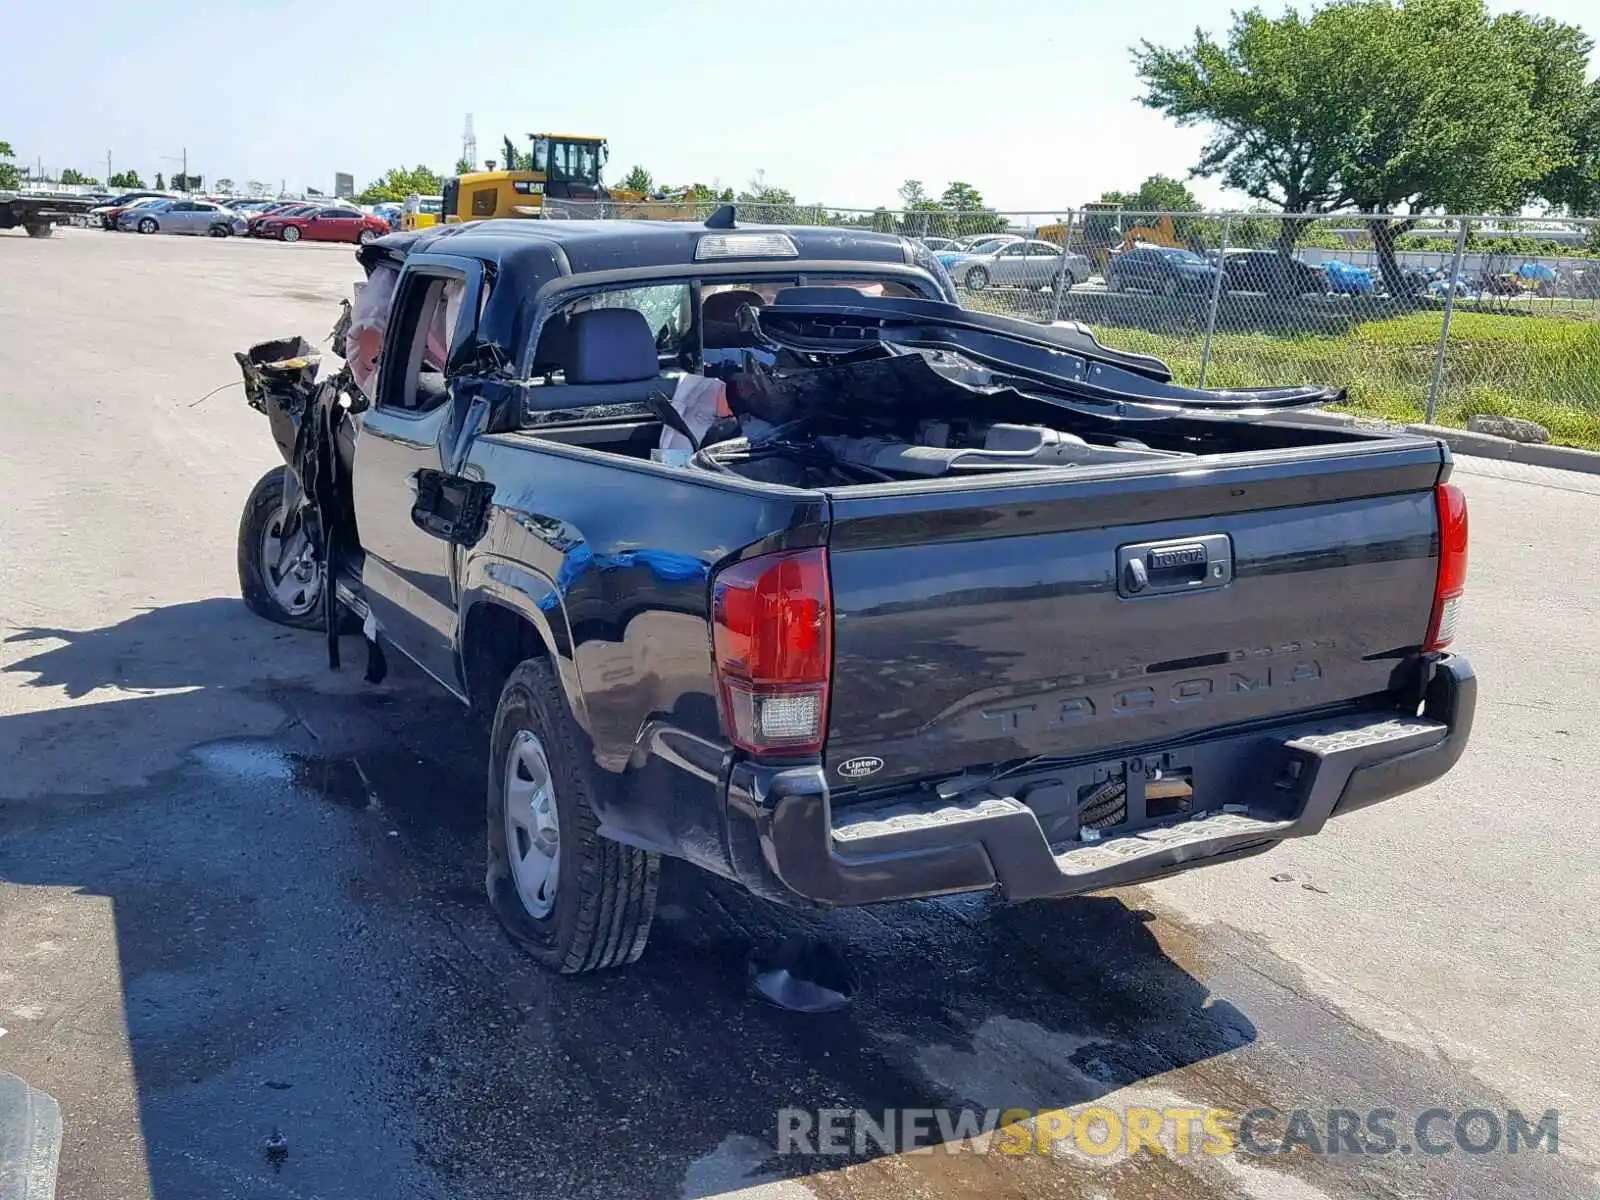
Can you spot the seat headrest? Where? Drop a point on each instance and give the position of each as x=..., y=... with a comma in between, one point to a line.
x=610, y=345
x=719, y=319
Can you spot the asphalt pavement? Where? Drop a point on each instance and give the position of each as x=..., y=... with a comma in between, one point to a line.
x=243, y=940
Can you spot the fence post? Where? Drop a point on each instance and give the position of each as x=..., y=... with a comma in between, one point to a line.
x=1449, y=311
x=1060, y=296
x=1216, y=296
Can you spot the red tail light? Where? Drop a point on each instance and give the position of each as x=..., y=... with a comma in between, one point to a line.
x=1449, y=591
x=772, y=636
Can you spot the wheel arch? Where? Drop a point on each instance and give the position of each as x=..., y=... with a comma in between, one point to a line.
x=509, y=614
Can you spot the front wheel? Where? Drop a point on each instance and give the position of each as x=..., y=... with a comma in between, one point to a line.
x=290, y=233
x=280, y=576
x=977, y=279
x=572, y=899
x=147, y=225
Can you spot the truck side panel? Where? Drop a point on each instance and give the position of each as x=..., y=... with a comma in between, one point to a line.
x=628, y=563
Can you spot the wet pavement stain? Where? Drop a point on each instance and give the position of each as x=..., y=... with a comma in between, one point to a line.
x=306, y=909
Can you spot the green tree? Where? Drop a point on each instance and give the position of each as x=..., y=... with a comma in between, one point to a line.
x=1576, y=186
x=9, y=178
x=398, y=183
x=759, y=191
x=464, y=166
x=638, y=180
x=225, y=186
x=913, y=195
x=962, y=197
x=160, y=184
x=126, y=180
x=73, y=176
x=1392, y=109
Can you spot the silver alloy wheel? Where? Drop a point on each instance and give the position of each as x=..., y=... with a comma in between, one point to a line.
x=291, y=572
x=291, y=233
x=533, y=832
x=366, y=237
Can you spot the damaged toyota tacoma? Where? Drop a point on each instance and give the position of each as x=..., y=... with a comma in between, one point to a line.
x=765, y=554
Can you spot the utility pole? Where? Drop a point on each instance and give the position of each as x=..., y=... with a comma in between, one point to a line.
x=108, y=169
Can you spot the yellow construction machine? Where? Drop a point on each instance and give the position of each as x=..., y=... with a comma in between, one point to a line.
x=558, y=166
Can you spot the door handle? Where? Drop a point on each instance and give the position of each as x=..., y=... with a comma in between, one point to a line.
x=1175, y=566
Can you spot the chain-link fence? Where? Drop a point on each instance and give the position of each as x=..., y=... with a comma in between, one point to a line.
x=1444, y=317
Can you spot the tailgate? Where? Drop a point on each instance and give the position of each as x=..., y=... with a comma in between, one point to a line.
x=986, y=622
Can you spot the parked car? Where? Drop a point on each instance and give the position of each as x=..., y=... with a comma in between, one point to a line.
x=278, y=208
x=970, y=246
x=1273, y=273
x=337, y=224
x=1163, y=269
x=939, y=244
x=1031, y=264
x=195, y=217
x=138, y=206
x=923, y=637
x=108, y=213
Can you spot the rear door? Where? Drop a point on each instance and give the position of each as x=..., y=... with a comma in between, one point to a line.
x=1010, y=265
x=1042, y=263
x=990, y=622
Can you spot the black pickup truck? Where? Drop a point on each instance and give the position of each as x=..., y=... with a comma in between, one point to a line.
x=930, y=601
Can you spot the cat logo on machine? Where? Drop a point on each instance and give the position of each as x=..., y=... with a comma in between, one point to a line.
x=860, y=767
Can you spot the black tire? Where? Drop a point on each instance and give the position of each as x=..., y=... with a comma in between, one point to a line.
x=262, y=508
x=220, y=231
x=289, y=233
x=976, y=279
x=605, y=896
x=147, y=225
x=41, y=229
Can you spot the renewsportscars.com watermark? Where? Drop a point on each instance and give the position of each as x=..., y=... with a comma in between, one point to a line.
x=1100, y=1131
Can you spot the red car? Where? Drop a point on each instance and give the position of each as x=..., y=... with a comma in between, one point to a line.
x=324, y=225
x=281, y=209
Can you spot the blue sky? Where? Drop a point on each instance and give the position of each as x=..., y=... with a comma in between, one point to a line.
x=1031, y=101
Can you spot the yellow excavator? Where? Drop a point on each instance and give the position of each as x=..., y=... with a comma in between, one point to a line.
x=559, y=166
x=1099, y=232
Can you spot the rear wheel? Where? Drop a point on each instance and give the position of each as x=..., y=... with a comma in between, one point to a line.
x=220, y=231
x=572, y=899
x=290, y=233
x=41, y=229
x=366, y=237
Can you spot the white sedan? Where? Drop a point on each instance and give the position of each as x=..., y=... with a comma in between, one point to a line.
x=1031, y=264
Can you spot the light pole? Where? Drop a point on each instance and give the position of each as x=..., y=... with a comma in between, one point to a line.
x=185, y=161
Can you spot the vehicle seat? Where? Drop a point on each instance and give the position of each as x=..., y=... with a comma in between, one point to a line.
x=609, y=357
x=719, y=320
